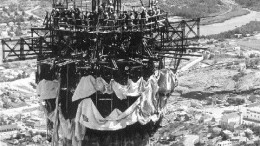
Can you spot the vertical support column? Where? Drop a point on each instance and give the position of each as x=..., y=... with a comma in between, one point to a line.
x=112, y=97
x=40, y=45
x=142, y=73
x=183, y=25
x=81, y=7
x=114, y=5
x=182, y=42
x=182, y=50
x=86, y=9
x=68, y=88
x=32, y=43
x=55, y=136
x=32, y=32
x=67, y=4
x=52, y=41
x=93, y=2
x=162, y=36
x=22, y=55
x=198, y=27
x=2, y=52
x=120, y=5
x=166, y=17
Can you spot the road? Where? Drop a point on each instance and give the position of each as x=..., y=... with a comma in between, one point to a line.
x=230, y=24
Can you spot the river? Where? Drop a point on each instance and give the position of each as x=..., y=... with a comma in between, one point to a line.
x=229, y=24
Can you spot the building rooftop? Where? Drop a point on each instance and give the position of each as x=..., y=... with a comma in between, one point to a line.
x=251, y=120
x=254, y=104
x=8, y=127
x=254, y=109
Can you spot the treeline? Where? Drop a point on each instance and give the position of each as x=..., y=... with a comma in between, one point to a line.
x=186, y=8
x=192, y=8
x=249, y=28
x=251, y=4
x=247, y=3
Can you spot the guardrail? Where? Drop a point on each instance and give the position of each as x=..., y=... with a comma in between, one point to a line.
x=69, y=23
x=23, y=48
x=190, y=28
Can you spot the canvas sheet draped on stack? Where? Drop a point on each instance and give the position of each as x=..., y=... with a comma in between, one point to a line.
x=47, y=89
x=165, y=79
x=89, y=85
x=142, y=110
x=145, y=109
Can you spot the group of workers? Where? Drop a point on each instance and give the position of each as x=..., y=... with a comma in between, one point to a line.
x=105, y=15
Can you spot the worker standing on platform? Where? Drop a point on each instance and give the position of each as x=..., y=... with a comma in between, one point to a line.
x=158, y=11
x=56, y=17
x=143, y=16
x=63, y=15
x=135, y=17
x=86, y=18
x=154, y=3
x=106, y=17
x=101, y=14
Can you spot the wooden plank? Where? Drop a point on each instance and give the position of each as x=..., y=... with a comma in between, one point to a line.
x=18, y=59
x=2, y=52
x=26, y=54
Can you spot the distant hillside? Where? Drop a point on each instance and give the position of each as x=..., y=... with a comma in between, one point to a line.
x=193, y=8
x=251, y=4
x=186, y=8
x=183, y=8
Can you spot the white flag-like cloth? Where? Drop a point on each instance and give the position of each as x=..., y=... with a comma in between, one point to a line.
x=47, y=89
x=143, y=110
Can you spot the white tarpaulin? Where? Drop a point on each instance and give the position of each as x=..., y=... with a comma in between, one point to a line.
x=143, y=110
x=147, y=107
x=165, y=79
x=47, y=89
x=89, y=85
